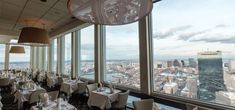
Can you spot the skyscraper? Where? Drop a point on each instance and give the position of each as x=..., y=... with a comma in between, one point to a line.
x=232, y=66
x=176, y=63
x=192, y=63
x=211, y=79
x=169, y=63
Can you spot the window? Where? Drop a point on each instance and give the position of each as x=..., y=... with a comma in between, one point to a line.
x=20, y=61
x=193, y=43
x=87, y=53
x=45, y=63
x=122, y=55
x=68, y=48
x=54, y=54
x=2, y=56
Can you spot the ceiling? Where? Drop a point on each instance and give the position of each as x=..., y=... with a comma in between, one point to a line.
x=15, y=14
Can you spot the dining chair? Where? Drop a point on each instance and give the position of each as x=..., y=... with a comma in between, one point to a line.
x=120, y=104
x=53, y=95
x=80, y=93
x=60, y=81
x=145, y=104
x=82, y=87
x=91, y=87
x=4, y=83
x=34, y=96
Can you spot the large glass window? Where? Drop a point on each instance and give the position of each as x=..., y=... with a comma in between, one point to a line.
x=20, y=61
x=67, y=55
x=46, y=58
x=87, y=53
x=2, y=56
x=194, y=47
x=122, y=55
x=54, y=54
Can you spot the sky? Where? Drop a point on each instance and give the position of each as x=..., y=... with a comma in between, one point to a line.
x=87, y=43
x=20, y=57
x=15, y=57
x=181, y=29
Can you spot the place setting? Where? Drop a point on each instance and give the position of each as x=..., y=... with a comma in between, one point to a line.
x=46, y=103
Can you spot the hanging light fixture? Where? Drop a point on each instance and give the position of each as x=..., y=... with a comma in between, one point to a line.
x=33, y=36
x=110, y=12
x=17, y=49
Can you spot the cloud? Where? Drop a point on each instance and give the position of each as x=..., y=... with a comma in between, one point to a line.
x=220, y=33
x=211, y=36
x=170, y=32
x=221, y=40
x=221, y=26
x=187, y=36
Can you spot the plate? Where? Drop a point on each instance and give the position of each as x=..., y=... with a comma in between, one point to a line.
x=108, y=92
x=32, y=90
x=47, y=104
x=63, y=105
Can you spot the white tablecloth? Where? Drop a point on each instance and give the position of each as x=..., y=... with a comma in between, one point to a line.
x=1, y=105
x=102, y=99
x=53, y=106
x=69, y=86
x=22, y=96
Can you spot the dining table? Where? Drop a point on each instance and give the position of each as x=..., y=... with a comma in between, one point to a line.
x=23, y=93
x=58, y=104
x=102, y=98
x=69, y=86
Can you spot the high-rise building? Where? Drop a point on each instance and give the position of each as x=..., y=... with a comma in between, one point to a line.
x=176, y=63
x=159, y=65
x=192, y=86
x=190, y=89
x=169, y=64
x=228, y=78
x=225, y=97
x=170, y=88
x=183, y=63
x=211, y=79
x=231, y=66
x=192, y=63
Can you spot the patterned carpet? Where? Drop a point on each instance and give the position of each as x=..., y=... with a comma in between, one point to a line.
x=8, y=100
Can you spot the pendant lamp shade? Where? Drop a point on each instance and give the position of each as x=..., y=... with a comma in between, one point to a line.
x=110, y=12
x=17, y=49
x=33, y=36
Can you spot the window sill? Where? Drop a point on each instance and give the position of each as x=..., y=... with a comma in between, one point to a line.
x=197, y=102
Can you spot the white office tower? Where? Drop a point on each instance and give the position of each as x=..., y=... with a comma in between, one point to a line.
x=190, y=90
x=228, y=81
x=192, y=86
x=185, y=92
x=231, y=66
x=170, y=88
x=225, y=97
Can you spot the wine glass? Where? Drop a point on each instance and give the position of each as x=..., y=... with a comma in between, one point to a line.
x=63, y=96
x=67, y=98
x=50, y=98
